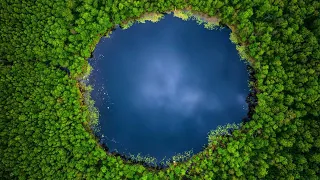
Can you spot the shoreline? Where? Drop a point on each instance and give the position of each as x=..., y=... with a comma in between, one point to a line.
x=83, y=85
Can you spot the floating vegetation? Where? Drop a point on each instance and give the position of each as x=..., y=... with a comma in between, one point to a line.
x=225, y=130
x=209, y=23
x=153, y=17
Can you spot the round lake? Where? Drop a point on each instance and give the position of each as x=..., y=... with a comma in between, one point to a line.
x=161, y=87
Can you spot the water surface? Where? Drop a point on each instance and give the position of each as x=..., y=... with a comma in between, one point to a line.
x=161, y=87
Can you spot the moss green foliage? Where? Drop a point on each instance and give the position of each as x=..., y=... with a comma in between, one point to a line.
x=44, y=127
x=209, y=23
x=184, y=15
x=153, y=17
x=93, y=115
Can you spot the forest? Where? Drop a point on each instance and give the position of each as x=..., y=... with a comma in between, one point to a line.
x=45, y=116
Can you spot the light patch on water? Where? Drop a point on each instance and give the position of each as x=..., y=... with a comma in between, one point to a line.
x=241, y=98
x=166, y=83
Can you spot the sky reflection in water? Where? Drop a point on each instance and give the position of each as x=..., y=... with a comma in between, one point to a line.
x=161, y=87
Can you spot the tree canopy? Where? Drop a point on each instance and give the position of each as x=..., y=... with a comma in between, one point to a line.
x=44, y=130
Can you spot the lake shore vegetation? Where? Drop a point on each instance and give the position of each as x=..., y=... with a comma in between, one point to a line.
x=44, y=116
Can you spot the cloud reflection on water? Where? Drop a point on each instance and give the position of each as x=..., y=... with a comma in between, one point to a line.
x=164, y=82
x=166, y=85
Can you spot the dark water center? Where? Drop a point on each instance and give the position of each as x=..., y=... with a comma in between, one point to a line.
x=161, y=87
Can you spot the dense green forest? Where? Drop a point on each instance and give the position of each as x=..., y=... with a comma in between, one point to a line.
x=44, y=127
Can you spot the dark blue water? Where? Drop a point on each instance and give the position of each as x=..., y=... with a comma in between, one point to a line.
x=161, y=87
